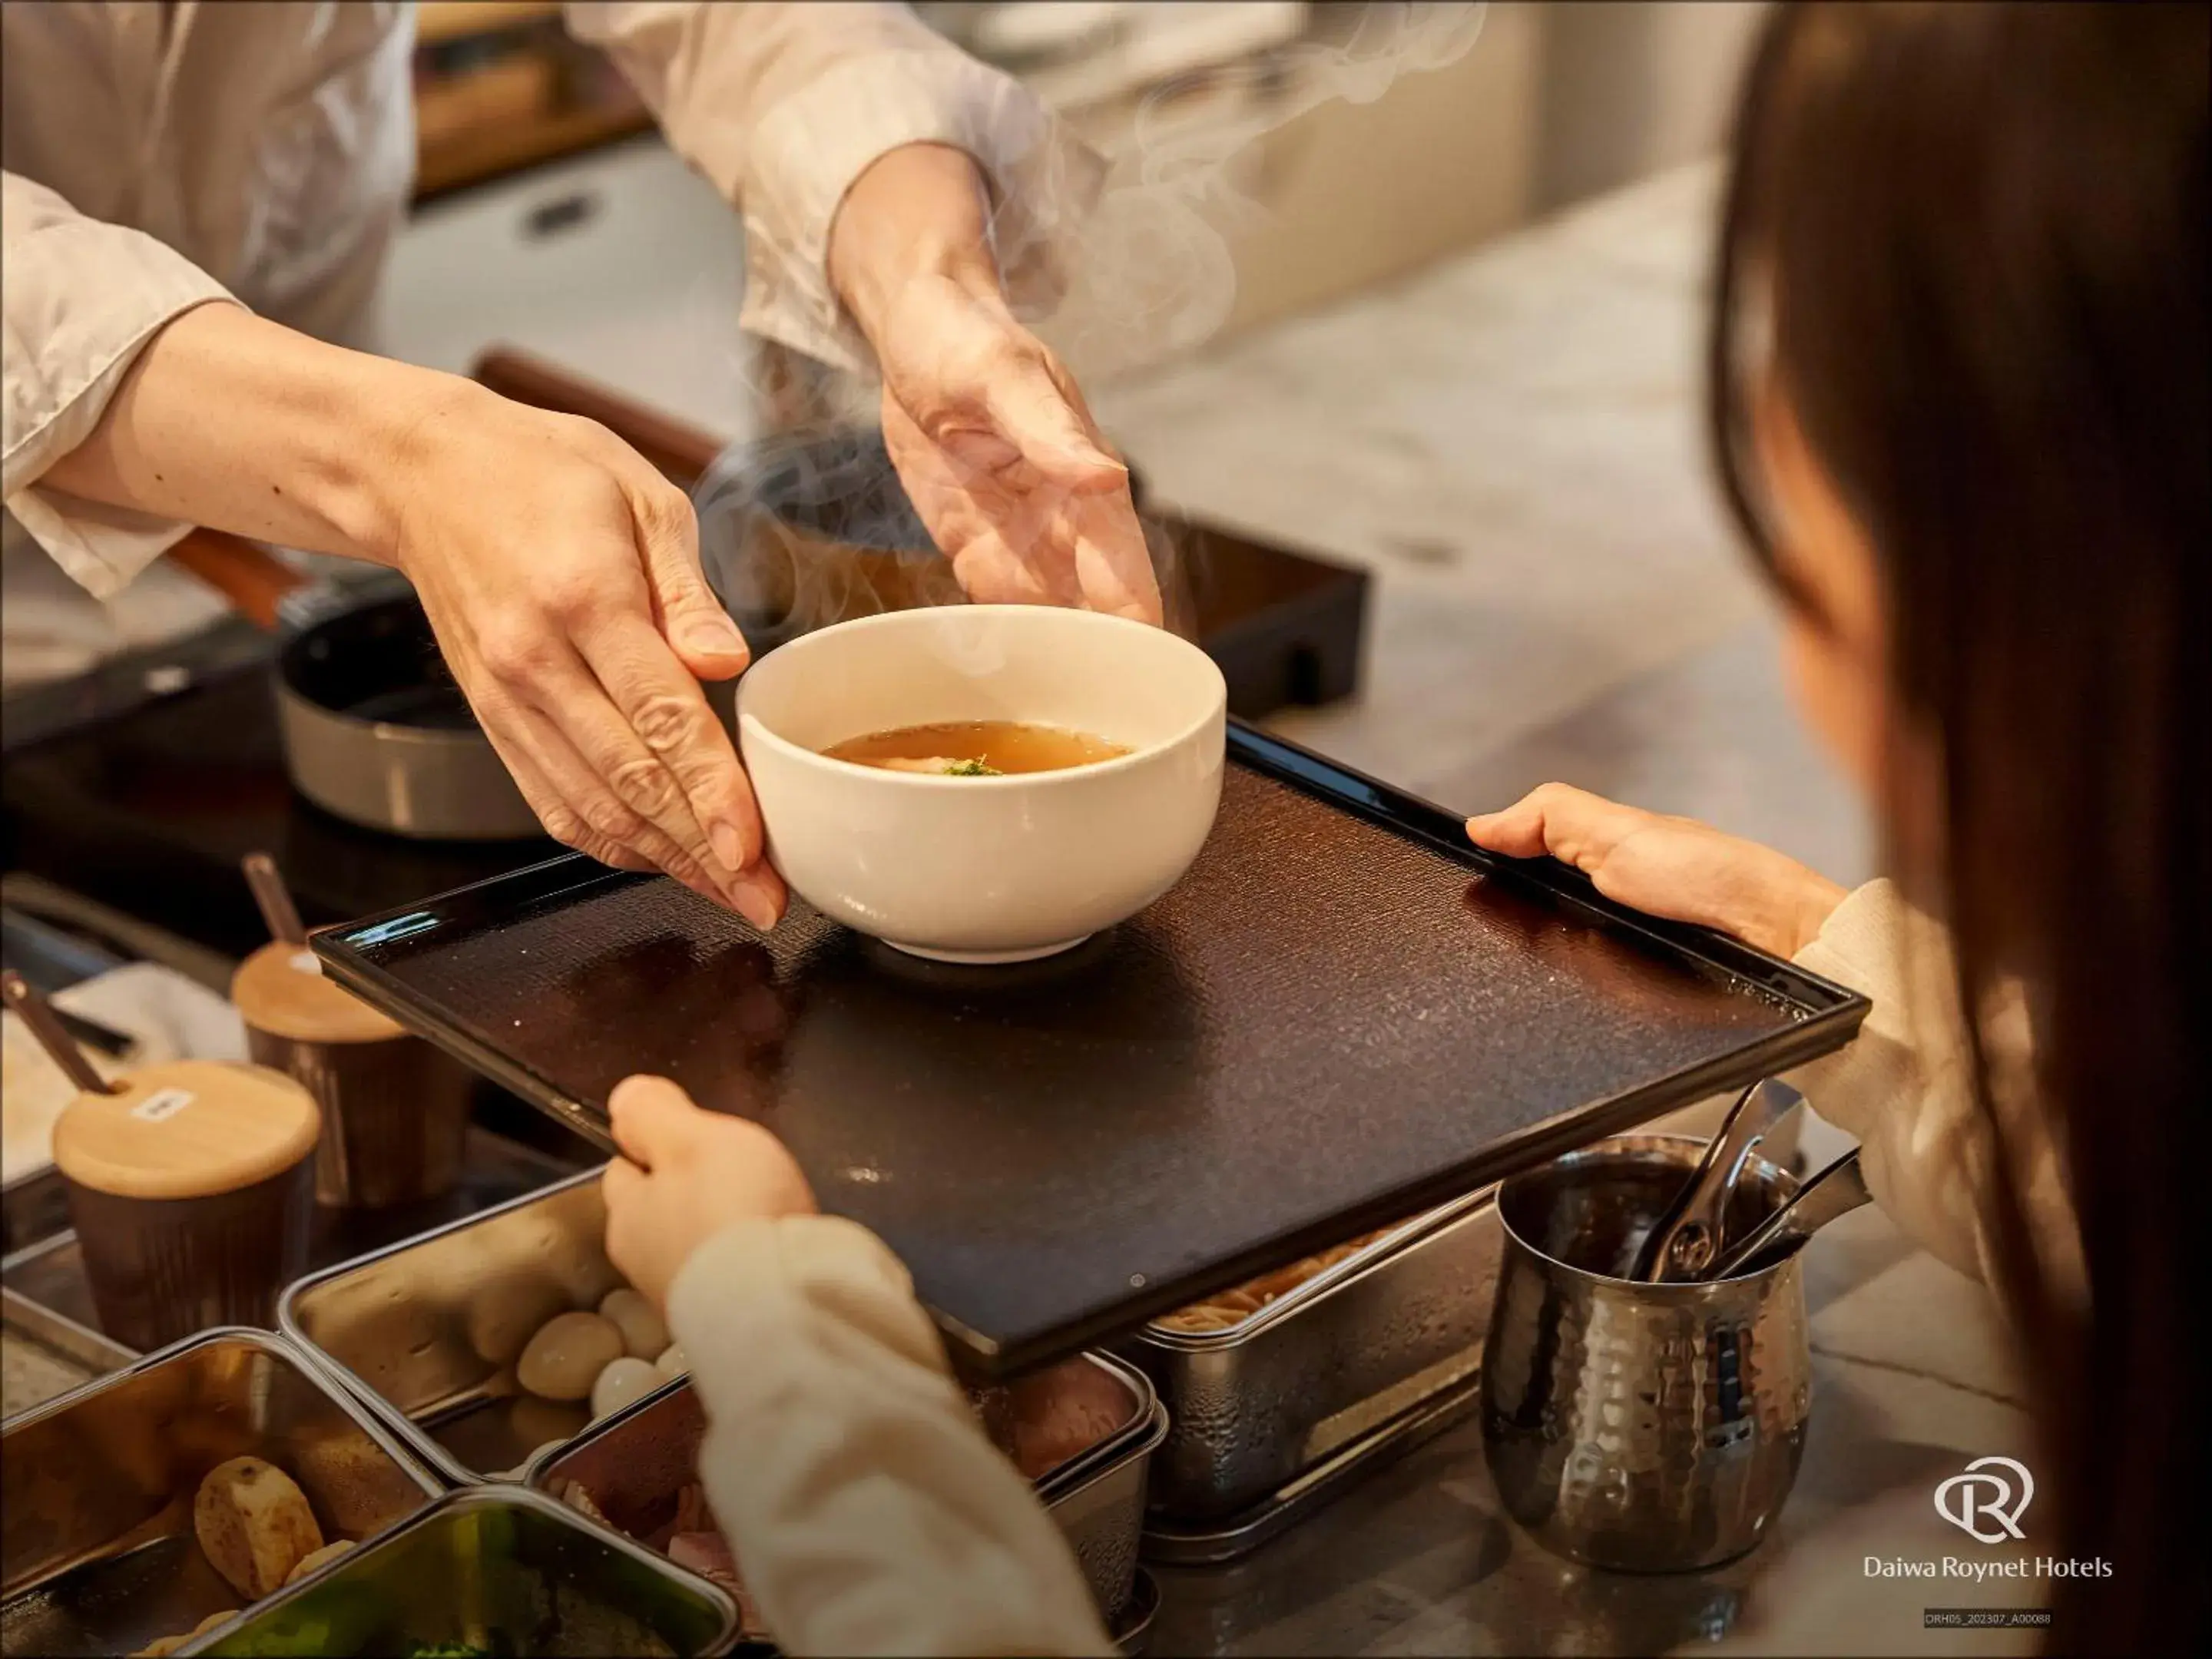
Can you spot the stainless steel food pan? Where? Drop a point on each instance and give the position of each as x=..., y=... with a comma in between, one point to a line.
x=636, y=1462
x=33, y=1205
x=376, y=731
x=45, y=1295
x=427, y=1331
x=1253, y=1406
x=1099, y=1499
x=498, y=1569
x=1208, y=1543
x=96, y=1487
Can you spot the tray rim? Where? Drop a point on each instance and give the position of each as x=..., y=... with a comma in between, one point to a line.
x=1828, y=1015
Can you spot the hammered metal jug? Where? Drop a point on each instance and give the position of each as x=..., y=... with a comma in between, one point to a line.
x=1651, y=1428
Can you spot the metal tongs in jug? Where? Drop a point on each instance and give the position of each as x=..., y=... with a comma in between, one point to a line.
x=1835, y=1192
x=1687, y=1240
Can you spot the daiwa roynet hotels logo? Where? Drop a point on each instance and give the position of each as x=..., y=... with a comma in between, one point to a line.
x=1985, y=1501
x=1993, y=1490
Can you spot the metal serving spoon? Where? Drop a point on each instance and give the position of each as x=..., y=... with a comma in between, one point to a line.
x=1686, y=1238
x=1836, y=1191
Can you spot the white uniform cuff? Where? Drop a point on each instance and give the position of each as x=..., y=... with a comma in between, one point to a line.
x=814, y=144
x=71, y=339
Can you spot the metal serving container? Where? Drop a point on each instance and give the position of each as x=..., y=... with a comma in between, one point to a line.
x=505, y=1569
x=375, y=730
x=97, y=1555
x=427, y=1331
x=1644, y=1428
x=636, y=1462
x=1333, y=1374
x=1274, y=1416
x=33, y=1205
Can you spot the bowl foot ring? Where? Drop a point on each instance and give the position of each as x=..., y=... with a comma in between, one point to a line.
x=988, y=959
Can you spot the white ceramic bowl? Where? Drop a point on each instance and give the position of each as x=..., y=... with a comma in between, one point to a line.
x=998, y=869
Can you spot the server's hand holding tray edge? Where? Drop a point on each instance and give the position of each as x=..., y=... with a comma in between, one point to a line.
x=1343, y=1014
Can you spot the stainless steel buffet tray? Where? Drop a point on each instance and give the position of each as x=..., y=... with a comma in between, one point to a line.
x=1323, y=1370
x=634, y=1462
x=1209, y=1543
x=96, y=1487
x=500, y=1569
x=426, y=1330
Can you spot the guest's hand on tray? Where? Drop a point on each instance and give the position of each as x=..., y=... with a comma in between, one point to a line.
x=991, y=437
x=1670, y=866
x=684, y=1175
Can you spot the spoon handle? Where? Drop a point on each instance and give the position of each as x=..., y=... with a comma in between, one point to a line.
x=275, y=899
x=1835, y=1192
x=61, y=1048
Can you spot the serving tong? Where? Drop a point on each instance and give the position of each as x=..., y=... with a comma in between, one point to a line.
x=1836, y=1191
x=1688, y=1243
x=1688, y=1238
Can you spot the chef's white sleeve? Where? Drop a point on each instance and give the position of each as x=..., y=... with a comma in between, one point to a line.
x=782, y=105
x=81, y=299
x=1905, y=1087
x=865, y=1510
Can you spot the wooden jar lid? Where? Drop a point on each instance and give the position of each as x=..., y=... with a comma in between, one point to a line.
x=280, y=989
x=186, y=1128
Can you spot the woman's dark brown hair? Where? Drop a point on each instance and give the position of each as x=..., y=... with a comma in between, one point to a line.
x=1964, y=245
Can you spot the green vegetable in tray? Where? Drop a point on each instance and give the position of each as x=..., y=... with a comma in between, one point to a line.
x=448, y=1651
x=338, y=1618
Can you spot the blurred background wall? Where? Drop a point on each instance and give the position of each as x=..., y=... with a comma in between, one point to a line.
x=1628, y=88
x=550, y=216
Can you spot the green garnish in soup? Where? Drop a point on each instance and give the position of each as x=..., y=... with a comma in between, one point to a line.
x=972, y=768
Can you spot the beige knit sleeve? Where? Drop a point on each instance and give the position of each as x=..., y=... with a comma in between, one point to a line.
x=1905, y=1088
x=865, y=1510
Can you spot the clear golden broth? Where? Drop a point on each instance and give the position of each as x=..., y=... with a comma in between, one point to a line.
x=976, y=748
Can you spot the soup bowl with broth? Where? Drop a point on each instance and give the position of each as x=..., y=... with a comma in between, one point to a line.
x=984, y=783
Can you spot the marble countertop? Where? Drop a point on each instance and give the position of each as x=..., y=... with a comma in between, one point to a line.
x=1510, y=441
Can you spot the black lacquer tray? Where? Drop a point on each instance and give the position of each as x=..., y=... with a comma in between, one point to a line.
x=1343, y=1014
